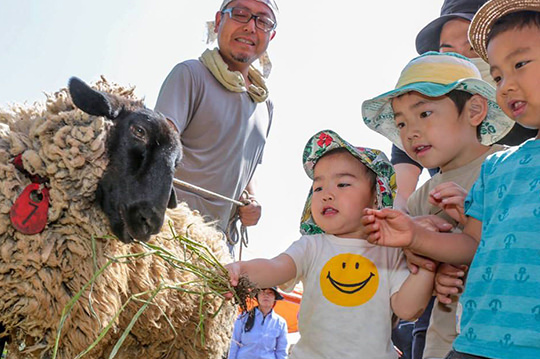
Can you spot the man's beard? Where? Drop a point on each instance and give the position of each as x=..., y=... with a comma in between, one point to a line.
x=241, y=58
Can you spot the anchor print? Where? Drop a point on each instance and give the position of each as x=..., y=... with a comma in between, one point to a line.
x=471, y=335
x=536, y=312
x=509, y=240
x=488, y=275
x=506, y=341
x=495, y=305
x=521, y=275
x=470, y=305
x=501, y=190
x=525, y=160
x=503, y=215
x=533, y=184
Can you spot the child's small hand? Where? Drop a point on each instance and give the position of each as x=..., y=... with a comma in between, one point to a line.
x=388, y=227
x=448, y=281
x=234, y=272
x=234, y=275
x=450, y=197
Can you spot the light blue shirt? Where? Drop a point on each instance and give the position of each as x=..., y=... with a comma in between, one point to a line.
x=501, y=302
x=266, y=340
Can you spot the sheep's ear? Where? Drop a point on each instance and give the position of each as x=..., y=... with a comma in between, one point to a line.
x=172, y=199
x=91, y=101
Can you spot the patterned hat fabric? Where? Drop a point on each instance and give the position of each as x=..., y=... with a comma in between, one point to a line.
x=375, y=160
x=435, y=74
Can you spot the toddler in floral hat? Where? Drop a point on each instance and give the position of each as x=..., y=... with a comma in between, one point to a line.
x=351, y=288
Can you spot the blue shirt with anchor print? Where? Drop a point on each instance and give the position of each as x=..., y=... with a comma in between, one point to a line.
x=501, y=304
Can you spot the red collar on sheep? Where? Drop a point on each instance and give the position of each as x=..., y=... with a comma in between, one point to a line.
x=29, y=212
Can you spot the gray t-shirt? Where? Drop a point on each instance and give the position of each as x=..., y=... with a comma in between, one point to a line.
x=223, y=134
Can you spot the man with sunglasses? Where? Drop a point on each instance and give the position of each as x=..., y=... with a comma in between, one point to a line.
x=219, y=104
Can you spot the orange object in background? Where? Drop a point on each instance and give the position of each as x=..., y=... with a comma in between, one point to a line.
x=288, y=308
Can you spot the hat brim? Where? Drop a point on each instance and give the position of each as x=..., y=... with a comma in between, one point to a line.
x=428, y=39
x=378, y=113
x=488, y=15
x=325, y=141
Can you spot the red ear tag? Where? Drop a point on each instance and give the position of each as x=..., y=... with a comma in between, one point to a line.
x=29, y=212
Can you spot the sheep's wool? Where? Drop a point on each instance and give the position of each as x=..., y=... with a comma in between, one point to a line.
x=40, y=273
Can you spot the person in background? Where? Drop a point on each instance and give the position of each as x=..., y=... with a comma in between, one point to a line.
x=260, y=333
x=220, y=106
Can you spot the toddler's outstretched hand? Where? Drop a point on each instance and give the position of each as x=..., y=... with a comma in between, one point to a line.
x=450, y=197
x=388, y=227
x=234, y=272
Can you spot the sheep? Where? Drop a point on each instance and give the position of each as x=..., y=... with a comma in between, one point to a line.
x=40, y=273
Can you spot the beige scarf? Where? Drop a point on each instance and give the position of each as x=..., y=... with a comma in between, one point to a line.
x=233, y=80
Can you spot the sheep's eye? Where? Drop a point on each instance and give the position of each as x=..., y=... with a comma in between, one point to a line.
x=138, y=132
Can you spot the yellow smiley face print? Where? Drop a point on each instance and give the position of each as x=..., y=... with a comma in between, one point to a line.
x=349, y=280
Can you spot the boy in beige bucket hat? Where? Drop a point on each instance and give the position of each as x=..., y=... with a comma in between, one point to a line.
x=443, y=115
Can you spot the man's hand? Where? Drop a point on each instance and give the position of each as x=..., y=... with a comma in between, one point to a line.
x=449, y=281
x=450, y=197
x=388, y=227
x=250, y=213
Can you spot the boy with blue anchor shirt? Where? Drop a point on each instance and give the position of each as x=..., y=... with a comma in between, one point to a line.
x=500, y=307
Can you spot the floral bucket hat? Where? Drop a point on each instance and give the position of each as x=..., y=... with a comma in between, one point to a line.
x=435, y=74
x=375, y=160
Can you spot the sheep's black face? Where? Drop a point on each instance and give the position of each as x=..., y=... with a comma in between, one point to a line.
x=143, y=150
x=137, y=187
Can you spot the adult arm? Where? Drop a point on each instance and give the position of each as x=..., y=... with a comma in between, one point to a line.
x=264, y=273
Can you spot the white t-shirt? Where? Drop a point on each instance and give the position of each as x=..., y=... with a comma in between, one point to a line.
x=345, y=310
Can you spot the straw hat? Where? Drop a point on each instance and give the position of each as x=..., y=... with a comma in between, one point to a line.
x=488, y=14
x=435, y=74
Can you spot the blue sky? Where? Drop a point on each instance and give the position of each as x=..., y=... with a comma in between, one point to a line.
x=328, y=57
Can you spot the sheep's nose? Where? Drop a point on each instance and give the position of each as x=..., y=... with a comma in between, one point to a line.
x=144, y=220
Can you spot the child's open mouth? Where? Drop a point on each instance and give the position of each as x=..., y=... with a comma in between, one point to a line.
x=517, y=107
x=422, y=149
x=327, y=211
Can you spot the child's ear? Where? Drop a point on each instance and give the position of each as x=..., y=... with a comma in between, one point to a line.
x=477, y=108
